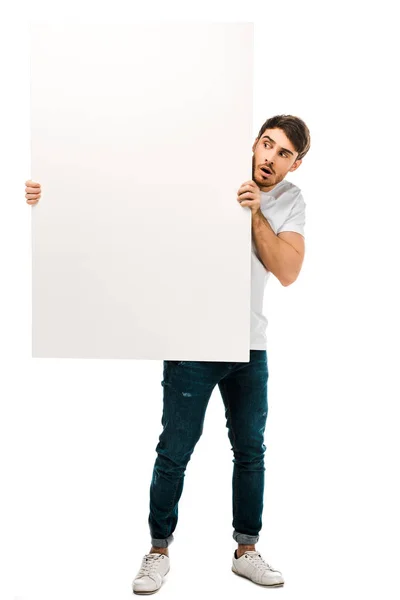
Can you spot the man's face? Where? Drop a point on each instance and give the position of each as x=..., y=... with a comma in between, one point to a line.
x=276, y=152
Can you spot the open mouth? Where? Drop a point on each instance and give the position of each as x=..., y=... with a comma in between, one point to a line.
x=266, y=172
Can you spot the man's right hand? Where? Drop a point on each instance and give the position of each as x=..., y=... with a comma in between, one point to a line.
x=32, y=192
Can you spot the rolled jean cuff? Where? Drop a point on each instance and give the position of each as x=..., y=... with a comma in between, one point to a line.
x=243, y=538
x=162, y=543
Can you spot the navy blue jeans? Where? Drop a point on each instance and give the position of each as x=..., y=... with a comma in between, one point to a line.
x=187, y=389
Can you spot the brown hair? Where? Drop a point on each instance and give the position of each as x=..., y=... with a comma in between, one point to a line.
x=295, y=129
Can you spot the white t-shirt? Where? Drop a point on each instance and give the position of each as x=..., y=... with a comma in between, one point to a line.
x=284, y=208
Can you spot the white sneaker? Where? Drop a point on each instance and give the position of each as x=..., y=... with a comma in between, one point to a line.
x=150, y=575
x=253, y=566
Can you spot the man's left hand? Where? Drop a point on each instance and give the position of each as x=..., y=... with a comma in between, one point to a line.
x=249, y=194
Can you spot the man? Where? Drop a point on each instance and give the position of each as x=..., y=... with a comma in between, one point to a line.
x=278, y=220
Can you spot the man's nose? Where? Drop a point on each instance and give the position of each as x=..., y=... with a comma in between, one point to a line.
x=271, y=157
x=271, y=160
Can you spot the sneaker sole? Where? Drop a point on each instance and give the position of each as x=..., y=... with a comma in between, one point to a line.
x=256, y=582
x=151, y=591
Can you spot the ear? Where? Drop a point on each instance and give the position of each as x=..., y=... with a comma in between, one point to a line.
x=295, y=165
x=255, y=144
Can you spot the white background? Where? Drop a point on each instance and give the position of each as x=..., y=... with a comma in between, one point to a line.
x=78, y=436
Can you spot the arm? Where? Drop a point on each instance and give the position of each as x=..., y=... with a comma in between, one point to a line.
x=282, y=254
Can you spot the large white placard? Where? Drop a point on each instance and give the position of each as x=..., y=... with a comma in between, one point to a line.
x=141, y=137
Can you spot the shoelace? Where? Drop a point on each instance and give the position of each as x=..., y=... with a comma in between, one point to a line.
x=258, y=561
x=149, y=563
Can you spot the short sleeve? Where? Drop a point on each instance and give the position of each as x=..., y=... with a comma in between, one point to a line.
x=296, y=219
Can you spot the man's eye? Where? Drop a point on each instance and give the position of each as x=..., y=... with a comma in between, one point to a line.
x=281, y=153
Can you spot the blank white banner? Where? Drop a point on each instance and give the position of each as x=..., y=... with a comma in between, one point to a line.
x=141, y=137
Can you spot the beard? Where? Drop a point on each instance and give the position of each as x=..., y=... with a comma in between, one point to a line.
x=264, y=183
x=257, y=178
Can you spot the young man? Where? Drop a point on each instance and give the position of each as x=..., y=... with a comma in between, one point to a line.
x=278, y=220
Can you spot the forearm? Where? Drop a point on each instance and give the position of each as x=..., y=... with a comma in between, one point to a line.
x=275, y=254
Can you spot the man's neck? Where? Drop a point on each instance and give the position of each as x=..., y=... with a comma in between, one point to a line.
x=270, y=188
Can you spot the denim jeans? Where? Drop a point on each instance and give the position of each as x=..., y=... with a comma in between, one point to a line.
x=187, y=389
